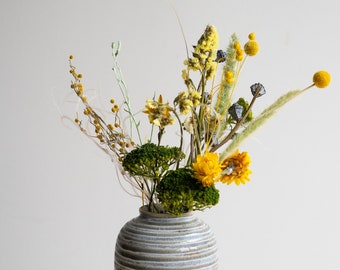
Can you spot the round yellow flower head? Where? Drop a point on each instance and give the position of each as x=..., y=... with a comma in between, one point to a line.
x=251, y=48
x=239, y=55
x=321, y=79
x=237, y=46
x=229, y=76
x=251, y=36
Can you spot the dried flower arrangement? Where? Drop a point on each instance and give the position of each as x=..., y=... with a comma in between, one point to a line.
x=211, y=124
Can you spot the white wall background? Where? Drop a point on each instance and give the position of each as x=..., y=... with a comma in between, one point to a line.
x=60, y=203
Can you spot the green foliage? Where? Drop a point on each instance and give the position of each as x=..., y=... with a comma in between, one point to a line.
x=179, y=192
x=151, y=161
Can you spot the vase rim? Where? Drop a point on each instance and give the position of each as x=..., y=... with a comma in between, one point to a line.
x=143, y=210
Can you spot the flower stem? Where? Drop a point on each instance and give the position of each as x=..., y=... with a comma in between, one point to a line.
x=239, y=123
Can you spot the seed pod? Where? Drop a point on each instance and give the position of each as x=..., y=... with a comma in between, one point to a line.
x=236, y=111
x=221, y=56
x=254, y=88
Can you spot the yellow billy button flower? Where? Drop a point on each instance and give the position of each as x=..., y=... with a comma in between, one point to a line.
x=321, y=79
x=251, y=48
x=236, y=168
x=239, y=52
x=251, y=36
x=207, y=169
x=229, y=75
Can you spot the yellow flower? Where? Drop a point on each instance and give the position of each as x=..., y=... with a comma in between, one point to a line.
x=229, y=76
x=251, y=36
x=207, y=169
x=239, y=52
x=239, y=55
x=159, y=112
x=204, y=54
x=185, y=75
x=237, y=45
x=192, y=63
x=185, y=106
x=251, y=48
x=181, y=96
x=195, y=97
x=208, y=41
x=236, y=168
x=187, y=100
x=211, y=69
x=321, y=79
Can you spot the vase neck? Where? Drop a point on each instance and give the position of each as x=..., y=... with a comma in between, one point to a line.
x=144, y=211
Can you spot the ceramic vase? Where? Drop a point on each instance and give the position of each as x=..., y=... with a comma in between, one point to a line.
x=156, y=241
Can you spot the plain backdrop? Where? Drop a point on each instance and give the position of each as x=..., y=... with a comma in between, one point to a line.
x=61, y=205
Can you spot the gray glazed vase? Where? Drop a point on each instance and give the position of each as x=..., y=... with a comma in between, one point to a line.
x=159, y=241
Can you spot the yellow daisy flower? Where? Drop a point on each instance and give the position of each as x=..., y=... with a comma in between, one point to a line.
x=207, y=169
x=236, y=168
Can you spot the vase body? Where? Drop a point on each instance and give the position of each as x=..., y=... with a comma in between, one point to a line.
x=159, y=241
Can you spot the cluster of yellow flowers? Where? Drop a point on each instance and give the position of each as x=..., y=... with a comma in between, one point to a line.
x=204, y=54
x=238, y=51
x=212, y=119
x=251, y=48
x=205, y=59
x=187, y=100
x=234, y=169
